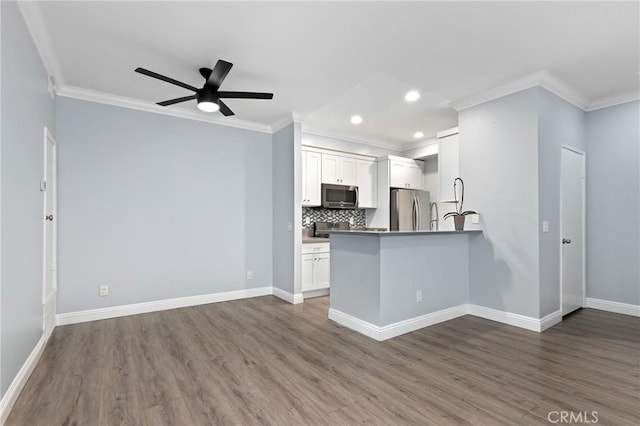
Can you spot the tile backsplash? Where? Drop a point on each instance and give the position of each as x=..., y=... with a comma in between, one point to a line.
x=333, y=215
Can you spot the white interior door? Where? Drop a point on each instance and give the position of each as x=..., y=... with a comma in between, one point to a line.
x=572, y=206
x=50, y=282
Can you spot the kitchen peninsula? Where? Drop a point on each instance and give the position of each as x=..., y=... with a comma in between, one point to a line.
x=384, y=284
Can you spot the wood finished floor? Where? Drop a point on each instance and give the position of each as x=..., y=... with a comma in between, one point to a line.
x=263, y=361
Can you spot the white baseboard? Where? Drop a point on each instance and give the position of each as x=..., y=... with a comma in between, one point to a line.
x=288, y=297
x=610, y=306
x=550, y=320
x=160, y=305
x=10, y=397
x=508, y=318
x=381, y=333
x=316, y=293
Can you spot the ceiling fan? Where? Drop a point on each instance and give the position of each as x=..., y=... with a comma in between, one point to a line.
x=209, y=97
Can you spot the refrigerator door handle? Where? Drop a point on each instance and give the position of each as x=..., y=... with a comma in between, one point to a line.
x=414, y=208
x=418, y=215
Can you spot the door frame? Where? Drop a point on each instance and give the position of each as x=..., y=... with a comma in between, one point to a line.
x=49, y=307
x=583, y=154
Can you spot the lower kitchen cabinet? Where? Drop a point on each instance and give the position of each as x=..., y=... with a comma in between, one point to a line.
x=315, y=266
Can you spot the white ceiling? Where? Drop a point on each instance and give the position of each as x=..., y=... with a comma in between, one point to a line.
x=328, y=61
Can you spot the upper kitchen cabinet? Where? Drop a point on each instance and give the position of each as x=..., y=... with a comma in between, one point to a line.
x=405, y=173
x=447, y=162
x=367, y=181
x=311, y=177
x=337, y=169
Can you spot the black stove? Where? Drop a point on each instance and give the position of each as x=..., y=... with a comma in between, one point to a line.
x=321, y=229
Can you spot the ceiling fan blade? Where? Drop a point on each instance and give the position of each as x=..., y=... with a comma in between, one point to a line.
x=224, y=109
x=177, y=100
x=245, y=95
x=163, y=78
x=219, y=73
x=205, y=72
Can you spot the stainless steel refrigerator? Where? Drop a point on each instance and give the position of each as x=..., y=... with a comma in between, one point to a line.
x=410, y=210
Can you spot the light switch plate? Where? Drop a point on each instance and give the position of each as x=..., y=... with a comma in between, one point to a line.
x=475, y=218
x=545, y=226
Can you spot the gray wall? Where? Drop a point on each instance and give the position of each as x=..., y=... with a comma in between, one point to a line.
x=26, y=109
x=613, y=203
x=499, y=165
x=559, y=122
x=404, y=270
x=284, y=209
x=158, y=207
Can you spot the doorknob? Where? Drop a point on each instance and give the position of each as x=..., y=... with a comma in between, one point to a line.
x=49, y=217
x=566, y=241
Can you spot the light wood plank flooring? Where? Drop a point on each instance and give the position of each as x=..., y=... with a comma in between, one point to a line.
x=263, y=361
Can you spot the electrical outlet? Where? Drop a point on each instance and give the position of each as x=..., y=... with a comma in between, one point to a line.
x=289, y=226
x=103, y=290
x=351, y=221
x=545, y=226
x=475, y=218
x=419, y=296
x=249, y=275
x=307, y=220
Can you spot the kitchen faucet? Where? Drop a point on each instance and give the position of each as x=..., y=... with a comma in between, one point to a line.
x=437, y=217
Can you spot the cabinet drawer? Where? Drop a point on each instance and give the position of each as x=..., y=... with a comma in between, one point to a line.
x=312, y=248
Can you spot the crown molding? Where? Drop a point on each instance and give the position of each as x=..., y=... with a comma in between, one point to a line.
x=371, y=142
x=32, y=15
x=618, y=99
x=125, y=102
x=541, y=78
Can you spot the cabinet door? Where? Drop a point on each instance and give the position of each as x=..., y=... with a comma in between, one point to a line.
x=367, y=181
x=330, y=168
x=308, y=267
x=311, y=171
x=398, y=174
x=414, y=176
x=447, y=166
x=347, y=171
x=322, y=271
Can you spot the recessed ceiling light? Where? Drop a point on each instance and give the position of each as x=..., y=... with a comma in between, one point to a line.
x=356, y=119
x=418, y=135
x=412, y=96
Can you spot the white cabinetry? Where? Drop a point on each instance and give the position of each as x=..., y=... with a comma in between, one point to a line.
x=338, y=169
x=447, y=165
x=405, y=173
x=367, y=181
x=315, y=266
x=311, y=172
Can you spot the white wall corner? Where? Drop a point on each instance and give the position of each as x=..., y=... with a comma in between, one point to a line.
x=294, y=299
x=18, y=383
x=616, y=307
x=541, y=78
x=32, y=15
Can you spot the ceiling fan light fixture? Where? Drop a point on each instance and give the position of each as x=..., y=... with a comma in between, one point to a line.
x=356, y=119
x=412, y=96
x=207, y=106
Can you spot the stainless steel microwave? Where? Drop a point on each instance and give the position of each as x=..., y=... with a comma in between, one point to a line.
x=339, y=196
